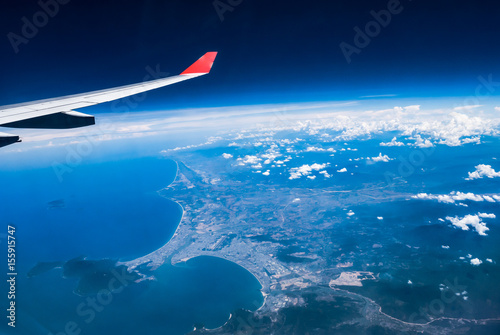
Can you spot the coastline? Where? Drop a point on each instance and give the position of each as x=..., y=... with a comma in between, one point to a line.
x=166, y=253
x=134, y=263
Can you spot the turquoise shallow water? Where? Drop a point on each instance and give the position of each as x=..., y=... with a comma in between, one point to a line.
x=110, y=211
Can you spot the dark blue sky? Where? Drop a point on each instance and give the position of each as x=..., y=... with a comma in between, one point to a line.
x=269, y=51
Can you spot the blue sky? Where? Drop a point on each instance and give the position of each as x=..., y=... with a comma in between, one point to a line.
x=270, y=52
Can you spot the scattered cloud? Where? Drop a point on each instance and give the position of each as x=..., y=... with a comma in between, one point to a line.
x=422, y=143
x=488, y=198
x=325, y=174
x=453, y=197
x=393, y=143
x=306, y=170
x=227, y=156
x=483, y=170
x=342, y=170
x=315, y=149
x=487, y=216
x=380, y=158
x=474, y=221
x=249, y=160
x=476, y=261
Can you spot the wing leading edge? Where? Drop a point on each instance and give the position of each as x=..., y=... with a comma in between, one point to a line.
x=59, y=113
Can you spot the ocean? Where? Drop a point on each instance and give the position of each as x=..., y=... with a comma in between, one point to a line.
x=70, y=233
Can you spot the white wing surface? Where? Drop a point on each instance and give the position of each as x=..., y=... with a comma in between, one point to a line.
x=59, y=113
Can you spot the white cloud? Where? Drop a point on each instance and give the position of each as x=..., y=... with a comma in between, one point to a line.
x=305, y=170
x=459, y=196
x=267, y=173
x=488, y=198
x=476, y=140
x=350, y=213
x=270, y=156
x=476, y=261
x=412, y=109
x=249, y=160
x=422, y=143
x=445, y=246
x=461, y=108
x=325, y=174
x=456, y=196
x=487, y=216
x=227, y=156
x=393, y=143
x=342, y=170
x=380, y=217
x=380, y=158
x=315, y=149
x=473, y=221
x=452, y=131
x=342, y=121
x=481, y=171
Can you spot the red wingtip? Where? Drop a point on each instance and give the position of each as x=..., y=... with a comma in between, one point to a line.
x=202, y=65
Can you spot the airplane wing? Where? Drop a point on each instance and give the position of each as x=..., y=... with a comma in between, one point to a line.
x=59, y=113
